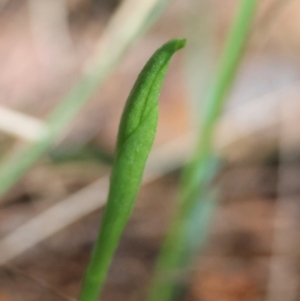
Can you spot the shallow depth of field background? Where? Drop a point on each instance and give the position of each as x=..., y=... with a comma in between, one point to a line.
x=253, y=250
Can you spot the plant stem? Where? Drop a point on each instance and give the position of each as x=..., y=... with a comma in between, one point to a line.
x=199, y=173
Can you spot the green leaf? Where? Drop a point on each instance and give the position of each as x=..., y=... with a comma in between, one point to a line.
x=135, y=138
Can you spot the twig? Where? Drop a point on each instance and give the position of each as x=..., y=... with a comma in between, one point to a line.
x=21, y=125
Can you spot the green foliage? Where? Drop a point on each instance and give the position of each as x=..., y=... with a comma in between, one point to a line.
x=135, y=138
x=195, y=207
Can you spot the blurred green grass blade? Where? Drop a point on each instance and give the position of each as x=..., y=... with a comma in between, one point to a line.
x=197, y=226
x=196, y=229
x=135, y=138
x=200, y=51
x=199, y=173
x=123, y=30
x=186, y=235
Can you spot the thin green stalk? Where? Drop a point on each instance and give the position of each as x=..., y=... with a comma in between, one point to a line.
x=201, y=170
x=122, y=32
x=135, y=138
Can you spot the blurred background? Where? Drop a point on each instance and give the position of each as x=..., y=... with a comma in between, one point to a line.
x=49, y=218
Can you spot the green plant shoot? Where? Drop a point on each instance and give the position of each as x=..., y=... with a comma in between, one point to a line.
x=135, y=138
